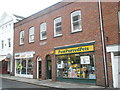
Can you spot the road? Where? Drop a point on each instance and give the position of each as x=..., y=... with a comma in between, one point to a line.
x=15, y=85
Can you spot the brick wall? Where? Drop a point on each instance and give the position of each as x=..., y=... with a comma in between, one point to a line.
x=110, y=21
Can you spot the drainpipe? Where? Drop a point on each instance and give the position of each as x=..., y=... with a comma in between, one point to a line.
x=103, y=42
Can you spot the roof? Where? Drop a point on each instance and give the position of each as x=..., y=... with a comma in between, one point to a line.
x=17, y=16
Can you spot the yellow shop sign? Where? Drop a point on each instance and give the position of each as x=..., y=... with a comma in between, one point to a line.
x=75, y=50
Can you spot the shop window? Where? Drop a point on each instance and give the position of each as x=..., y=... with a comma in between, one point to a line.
x=31, y=34
x=24, y=66
x=18, y=66
x=58, y=26
x=30, y=67
x=21, y=37
x=76, y=22
x=43, y=31
x=23, y=71
x=76, y=66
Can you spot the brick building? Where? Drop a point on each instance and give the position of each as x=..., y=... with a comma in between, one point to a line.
x=63, y=42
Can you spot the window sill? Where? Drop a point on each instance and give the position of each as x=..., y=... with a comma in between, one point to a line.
x=58, y=36
x=76, y=31
x=31, y=42
x=43, y=39
x=21, y=44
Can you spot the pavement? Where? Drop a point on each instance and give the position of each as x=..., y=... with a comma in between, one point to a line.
x=50, y=83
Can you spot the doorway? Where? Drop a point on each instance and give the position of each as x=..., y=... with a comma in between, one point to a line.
x=48, y=67
x=39, y=68
x=116, y=69
x=4, y=67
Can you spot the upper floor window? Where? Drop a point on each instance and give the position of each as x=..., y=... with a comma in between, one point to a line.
x=31, y=34
x=43, y=29
x=119, y=20
x=2, y=28
x=21, y=37
x=76, y=23
x=2, y=42
x=9, y=42
x=58, y=26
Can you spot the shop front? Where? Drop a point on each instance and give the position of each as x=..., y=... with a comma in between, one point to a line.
x=24, y=64
x=76, y=63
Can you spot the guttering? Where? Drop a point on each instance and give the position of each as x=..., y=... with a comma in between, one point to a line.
x=103, y=43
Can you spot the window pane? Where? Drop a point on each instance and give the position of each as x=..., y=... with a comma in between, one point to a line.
x=76, y=26
x=58, y=30
x=62, y=69
x=31, y=30
x=44, y=34
x=76, y=21
x=21, y=37
x=43, y=31
x=73, y=66
x=30, y=67
x=75, y=18
x=2, y=44
x=43, y=27
x=23, y=71
x=58, y=24
x=9, y=42
x=18, y=67
x=31, y=34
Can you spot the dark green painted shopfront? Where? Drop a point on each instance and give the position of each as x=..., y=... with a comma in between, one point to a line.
x=75, y=63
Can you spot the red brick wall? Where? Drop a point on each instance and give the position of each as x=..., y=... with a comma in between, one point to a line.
x=110, y=21
x=90, y=26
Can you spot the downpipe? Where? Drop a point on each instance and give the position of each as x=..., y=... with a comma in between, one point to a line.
x=103, y=43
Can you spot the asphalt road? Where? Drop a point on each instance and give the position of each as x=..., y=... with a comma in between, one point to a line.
x=15, y=85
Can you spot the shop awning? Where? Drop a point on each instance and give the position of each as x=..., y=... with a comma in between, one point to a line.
x=2, y=58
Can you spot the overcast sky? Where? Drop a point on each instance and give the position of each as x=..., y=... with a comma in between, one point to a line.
x=24, y=8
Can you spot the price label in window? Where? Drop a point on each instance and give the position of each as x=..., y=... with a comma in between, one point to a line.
x=85, y=59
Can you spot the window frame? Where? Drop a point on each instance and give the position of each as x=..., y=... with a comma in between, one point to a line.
x=41, y=31
x=55, y=31
x=9, y=42
x=31, y=35
x=119, y=21
x=80, y=21
x=21, y=32
x=2, y=44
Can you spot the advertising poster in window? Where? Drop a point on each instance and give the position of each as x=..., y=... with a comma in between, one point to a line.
x=85, y=59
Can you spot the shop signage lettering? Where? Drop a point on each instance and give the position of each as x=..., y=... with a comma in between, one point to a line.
x=75, y=50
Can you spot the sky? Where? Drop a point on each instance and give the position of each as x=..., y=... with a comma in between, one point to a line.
x=24, y=8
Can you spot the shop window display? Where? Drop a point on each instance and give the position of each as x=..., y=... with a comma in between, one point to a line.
x=29, y=68
x=24, y=66
x=23, y=71
x=76, y=66
x=18, y=67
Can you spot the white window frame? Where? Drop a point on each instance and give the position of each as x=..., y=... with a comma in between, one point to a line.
x=21, y=37
x=57, y=20
x=80, y=21
x=31, y=34
x=119, y=20
x=43, y=30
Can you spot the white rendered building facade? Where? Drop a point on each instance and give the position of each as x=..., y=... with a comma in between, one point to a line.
x=6, y=40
